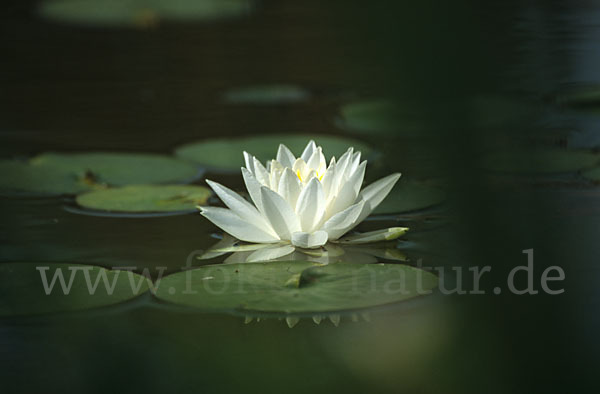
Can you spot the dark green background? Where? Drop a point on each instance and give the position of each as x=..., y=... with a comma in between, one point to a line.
x=70, y=88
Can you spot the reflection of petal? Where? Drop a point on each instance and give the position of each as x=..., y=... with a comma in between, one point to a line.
x=374, y=236
x=268, y=254
x=237, y=258
x=227, y=242
x=234, y=225
x=309, y=240
x=382, y=253
x=326, y=254
x=242, y=248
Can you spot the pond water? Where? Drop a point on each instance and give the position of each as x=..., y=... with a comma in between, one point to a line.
x=495, y=106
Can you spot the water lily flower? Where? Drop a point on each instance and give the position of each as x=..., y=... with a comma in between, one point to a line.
x=302, y=202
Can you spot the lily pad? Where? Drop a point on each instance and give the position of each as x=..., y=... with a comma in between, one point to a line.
x=146, y=198
x=267, y=94
x=375, y=116
x=36, y=288
x=18, y=176
x=294, y=286
x=139, y=13
x=53, y=173
x=409, y=196
x=593, y=174
x=226, y=154
x=540, y=161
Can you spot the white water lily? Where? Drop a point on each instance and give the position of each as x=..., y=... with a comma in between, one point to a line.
x=302, y=202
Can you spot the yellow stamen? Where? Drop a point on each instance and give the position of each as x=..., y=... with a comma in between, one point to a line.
x=299, y=176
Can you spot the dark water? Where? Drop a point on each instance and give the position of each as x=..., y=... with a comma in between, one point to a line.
x=66, y=88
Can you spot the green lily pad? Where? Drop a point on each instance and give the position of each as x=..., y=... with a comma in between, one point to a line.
x=24, y=291
x=409, y=196
x=500, y=112
x=267, y=94
x=294, y=286
x=53, y=173
x=376, y=116
x=146, y=198
x=17, y=176
x=139, y=13
x=540, y=161
x=382, y=116
x=226, y=154
x=593, y=174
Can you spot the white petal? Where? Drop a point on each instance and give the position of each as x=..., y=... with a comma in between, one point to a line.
x=289, y=187
x=241, y=207
x=322, y=162
x=301, y=169
x=375, y=193
x=282, y=217
x=309, y=240
x=341, y=170
x=349, y=191
x=387, y=234
x=253, y=187
x=308, y=151
x=275, y=174
x=311, y=205
x=271, y=253
x=340, y=223
x=328, y=179
x=354, y=163
x=260, y=172
x=315, y=159
x=249, y=159
x=232, y=224
x=285, y=156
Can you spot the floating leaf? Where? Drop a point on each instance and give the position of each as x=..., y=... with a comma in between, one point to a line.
x=294, y=286
x=376, y=116
x=17, y=176
x=139, y=13
x=267, y=94
x=53, y=173
x=36, y=288
x=593, y=174
x=146, y=198
x=411, y=195
x=540, y=161
x=226, y=154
